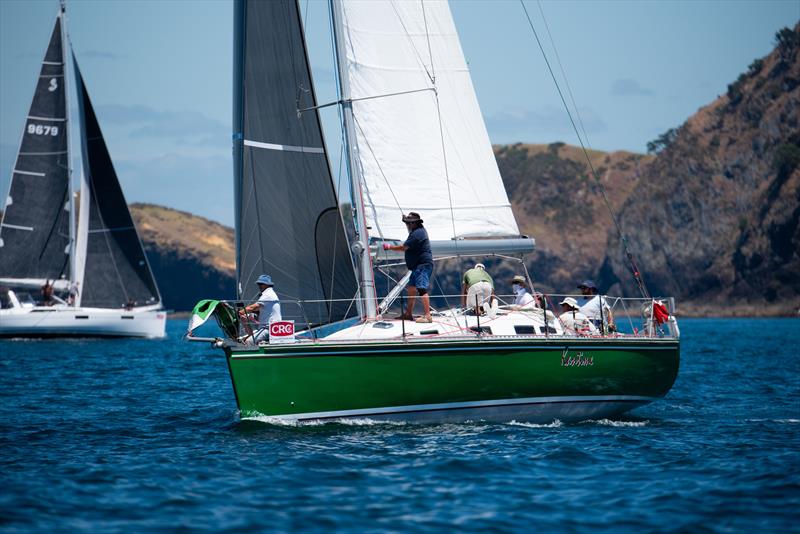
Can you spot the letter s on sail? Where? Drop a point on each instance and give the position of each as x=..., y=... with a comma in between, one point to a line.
x=53, y=85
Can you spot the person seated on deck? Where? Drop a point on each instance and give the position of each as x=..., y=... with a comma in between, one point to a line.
x=591, y=303
x=267, y=307
x=522, y=298
x=477, y=288
x=573, y=320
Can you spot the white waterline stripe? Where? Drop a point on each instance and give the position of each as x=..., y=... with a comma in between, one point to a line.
x=461, y=405
x=46, y=118
x=16, y=227
x=29, y=173
x=288, y=148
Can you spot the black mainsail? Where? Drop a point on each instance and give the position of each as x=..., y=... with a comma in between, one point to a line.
x=288, y=222
x=34, y=234
x=117, y=272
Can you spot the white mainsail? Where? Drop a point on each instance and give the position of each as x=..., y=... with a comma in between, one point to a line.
x=425, y=149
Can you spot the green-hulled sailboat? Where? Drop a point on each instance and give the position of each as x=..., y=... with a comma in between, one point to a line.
x=415, y=140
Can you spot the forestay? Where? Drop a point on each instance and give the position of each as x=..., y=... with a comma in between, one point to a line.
x=288, y=223
x=420, y=139
x=117, y=272
x=34, y=236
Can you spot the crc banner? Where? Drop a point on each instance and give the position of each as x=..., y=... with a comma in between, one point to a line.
x=281, y=332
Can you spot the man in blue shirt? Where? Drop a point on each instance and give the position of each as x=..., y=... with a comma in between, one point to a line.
x=419, y=260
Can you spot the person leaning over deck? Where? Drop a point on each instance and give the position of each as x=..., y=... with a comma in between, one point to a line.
x=590, y=305
x=419, y=260
x=522, y=298
x=268, y=307
x=477, y=287
x=573, y=320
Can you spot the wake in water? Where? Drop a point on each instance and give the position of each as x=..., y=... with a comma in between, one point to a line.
x=278, y=421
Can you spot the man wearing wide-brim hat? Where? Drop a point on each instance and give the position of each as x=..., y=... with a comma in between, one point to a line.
x=573, y=320
x=419, y=260
x=268, y=307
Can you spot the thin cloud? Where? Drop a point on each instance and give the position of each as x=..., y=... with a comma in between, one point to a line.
x=199, y=185
x=542, y=124
x=98, y=54
x=191, y=127
x=629, y=87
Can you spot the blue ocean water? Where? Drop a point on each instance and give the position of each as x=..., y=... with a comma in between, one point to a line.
x=121, y=435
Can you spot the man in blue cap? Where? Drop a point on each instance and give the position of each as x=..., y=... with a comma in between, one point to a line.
x=592, y=302
x=268, y=307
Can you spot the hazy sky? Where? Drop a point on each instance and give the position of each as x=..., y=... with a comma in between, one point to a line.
x=159, y=73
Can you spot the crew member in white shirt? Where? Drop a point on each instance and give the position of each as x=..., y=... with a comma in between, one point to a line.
x=268, y=308
x=522, y=298
x=590, y=304
x=573, y=320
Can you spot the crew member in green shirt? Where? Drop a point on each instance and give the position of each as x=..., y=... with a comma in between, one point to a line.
x=477, y=287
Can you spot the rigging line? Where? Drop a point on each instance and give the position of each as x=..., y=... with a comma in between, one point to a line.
x=107, y=237
x=428, y=37
x=634, y=268
x=258, y=211
x=431, y=77
x=563, y=74
x=350, y=100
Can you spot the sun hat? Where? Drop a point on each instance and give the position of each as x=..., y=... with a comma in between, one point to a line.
x=569, y=301
x=588, y=284
x=265, y=279
x=519, y=279
x=412, y=217
x=480, y=266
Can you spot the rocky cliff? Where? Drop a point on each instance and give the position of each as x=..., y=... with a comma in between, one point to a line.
x=192, y=258
x=714, y=217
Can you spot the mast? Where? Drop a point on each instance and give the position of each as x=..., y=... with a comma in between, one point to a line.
x=361, y=246
x=73, y=267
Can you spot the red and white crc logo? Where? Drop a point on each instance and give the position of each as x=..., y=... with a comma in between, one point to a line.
x=281, y=328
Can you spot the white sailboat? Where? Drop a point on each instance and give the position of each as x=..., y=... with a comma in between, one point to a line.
x=66, y=271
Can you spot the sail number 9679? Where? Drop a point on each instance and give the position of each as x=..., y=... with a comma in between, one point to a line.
x=42, y=129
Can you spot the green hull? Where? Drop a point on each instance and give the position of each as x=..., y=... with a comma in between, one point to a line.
x=524, y=380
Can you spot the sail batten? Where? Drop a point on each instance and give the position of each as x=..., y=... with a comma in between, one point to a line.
x=424, y=150
x=288, y=223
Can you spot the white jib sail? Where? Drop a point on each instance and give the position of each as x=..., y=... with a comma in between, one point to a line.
x=426, y=150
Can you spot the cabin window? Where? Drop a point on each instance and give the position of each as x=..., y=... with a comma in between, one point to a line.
x=482, y=329
x=548, y=329
x=428, y=332
x=524, y=329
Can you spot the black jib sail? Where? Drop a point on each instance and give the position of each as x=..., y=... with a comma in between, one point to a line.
x=117, y=273
x=34, y=235
x=288, y=223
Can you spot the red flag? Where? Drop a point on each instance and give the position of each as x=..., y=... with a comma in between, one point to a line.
x=660, y=313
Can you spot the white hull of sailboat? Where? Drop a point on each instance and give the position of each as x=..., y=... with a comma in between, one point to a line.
x=66, y=321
